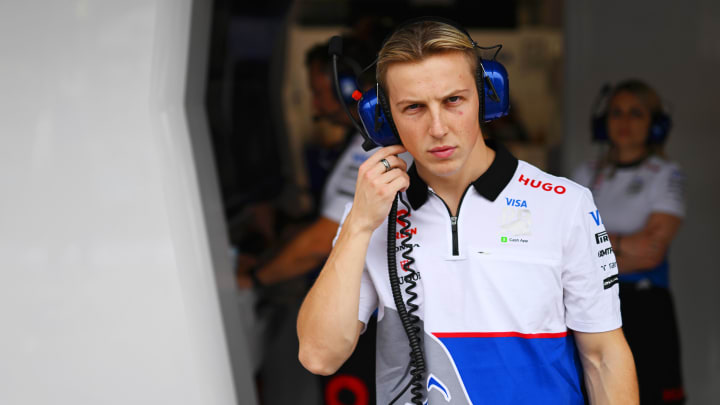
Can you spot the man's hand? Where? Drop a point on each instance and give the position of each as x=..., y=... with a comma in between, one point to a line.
x=376, y=187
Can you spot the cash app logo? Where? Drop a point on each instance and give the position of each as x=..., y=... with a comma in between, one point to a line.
x=503, y=239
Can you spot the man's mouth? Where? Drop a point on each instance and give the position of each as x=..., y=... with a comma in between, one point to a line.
x=442, y=152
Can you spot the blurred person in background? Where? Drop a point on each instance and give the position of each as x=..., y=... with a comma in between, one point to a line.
x=334, y=171
x=639, y=196
x=281, y=277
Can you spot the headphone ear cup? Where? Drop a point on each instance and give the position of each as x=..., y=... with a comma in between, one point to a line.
x=598, y=126
x=496, y=90
x=659, y=128
x=385, y=105
x=378, y=127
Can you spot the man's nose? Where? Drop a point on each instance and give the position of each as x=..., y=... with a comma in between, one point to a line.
x=437, y=123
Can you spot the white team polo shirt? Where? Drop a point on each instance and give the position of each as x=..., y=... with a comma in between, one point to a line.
x=526, y=258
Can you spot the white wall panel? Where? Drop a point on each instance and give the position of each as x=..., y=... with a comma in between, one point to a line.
x=107, y=291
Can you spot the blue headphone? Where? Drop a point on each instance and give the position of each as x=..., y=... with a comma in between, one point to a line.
x=378, y=127
x=660, y=124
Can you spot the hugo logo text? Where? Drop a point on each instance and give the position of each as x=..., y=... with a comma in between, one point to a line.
x=539, y=184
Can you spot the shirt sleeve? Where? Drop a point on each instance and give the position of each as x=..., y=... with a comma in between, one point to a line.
x=341, y=221
x=368, y=299
x=368, y=295
x=668, y=191
x=590, y=274
x=340, y=187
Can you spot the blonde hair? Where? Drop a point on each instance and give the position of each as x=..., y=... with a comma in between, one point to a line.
x=417, y=41
x=647, y=95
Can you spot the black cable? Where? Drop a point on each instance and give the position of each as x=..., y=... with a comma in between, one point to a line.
x=369, y=66
x=411, y=284
x=408, y=318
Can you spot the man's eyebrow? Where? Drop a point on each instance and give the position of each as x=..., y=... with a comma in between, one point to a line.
x=449, y=94
x=407, y=101
x=455, y=93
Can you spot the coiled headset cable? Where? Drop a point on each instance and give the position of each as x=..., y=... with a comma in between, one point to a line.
x=408, y=318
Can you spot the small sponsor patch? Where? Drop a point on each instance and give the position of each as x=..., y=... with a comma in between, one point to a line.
x=505, y=239
x=516, y=221
x=604, y=252
x=610, y=281
x=601, y=237
x=435, y=383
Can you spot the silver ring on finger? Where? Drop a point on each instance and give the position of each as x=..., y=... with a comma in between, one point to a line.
x=386, y=164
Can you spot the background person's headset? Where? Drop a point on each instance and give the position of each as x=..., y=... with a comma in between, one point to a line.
x=660, y=124
x=378, y=129
x=348, y=80
x=348, y=85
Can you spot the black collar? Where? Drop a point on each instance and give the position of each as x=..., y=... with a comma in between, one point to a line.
x=489, y=185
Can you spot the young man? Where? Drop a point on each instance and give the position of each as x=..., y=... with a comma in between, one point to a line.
x=508, y=257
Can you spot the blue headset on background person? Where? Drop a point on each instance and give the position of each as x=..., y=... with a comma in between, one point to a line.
x=378, y=127
x=660, y=124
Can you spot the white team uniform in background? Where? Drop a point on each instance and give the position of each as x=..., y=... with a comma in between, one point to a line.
x=627, y=195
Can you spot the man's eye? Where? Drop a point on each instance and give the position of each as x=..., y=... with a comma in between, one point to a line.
x=412, y=107
x=454, y=99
